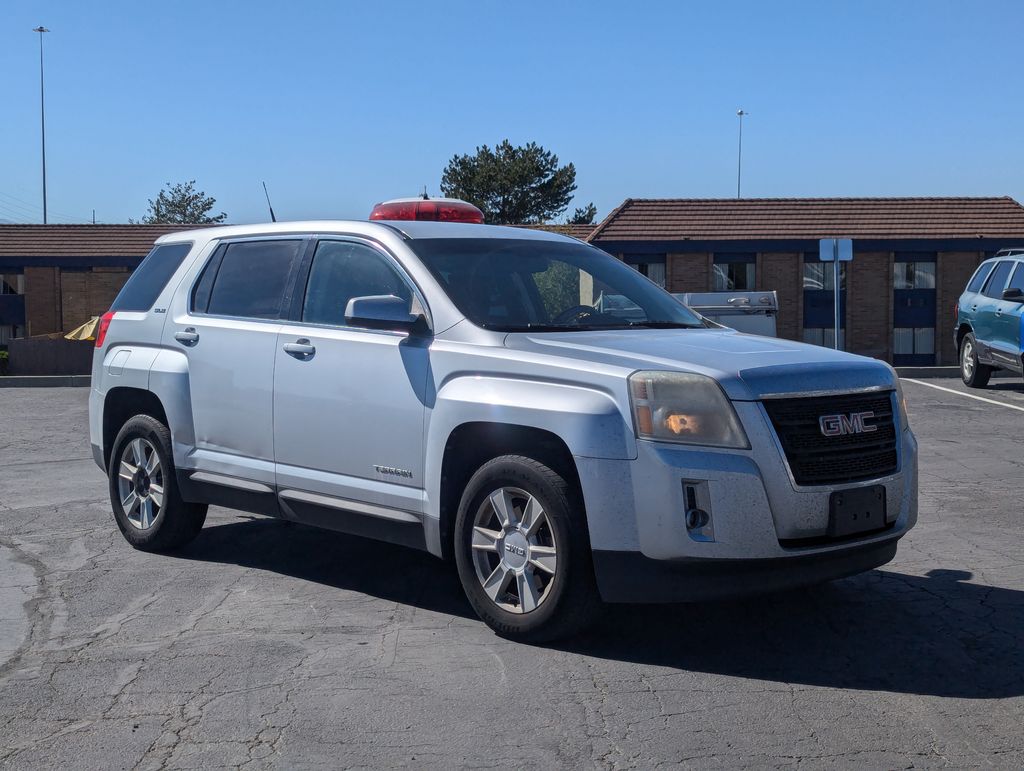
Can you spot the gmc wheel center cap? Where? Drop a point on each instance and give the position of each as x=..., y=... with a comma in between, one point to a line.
x=516, y=550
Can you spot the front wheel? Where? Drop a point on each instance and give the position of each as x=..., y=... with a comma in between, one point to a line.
x=523, y=552
x=973, y=373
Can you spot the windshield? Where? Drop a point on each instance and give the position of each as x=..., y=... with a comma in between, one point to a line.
x=515, y=285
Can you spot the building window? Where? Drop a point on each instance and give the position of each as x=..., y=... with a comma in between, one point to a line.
x=819, y=276
x=8, y=332
x=913, y=308
x=733, y=272
x=825, y=336
x=650, y=265
x=819, y=302
x=913, y=341
x=12, y=283
x=913, y=275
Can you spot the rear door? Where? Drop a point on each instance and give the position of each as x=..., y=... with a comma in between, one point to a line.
x=228, y=333
x=989, y=301
x=1006, y=334
x=349, y=405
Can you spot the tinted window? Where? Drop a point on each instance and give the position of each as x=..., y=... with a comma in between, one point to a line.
x=979, y=277
x=342, y=271
x=994, y=287
x=203, y=287
x=538, y=285
x=145, y=284
x=1017, y=282
x=252, y=279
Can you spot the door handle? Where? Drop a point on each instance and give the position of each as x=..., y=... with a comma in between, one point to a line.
x=300, y=349
x=187, y=337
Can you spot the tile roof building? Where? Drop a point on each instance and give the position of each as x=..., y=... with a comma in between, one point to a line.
x=912, y=259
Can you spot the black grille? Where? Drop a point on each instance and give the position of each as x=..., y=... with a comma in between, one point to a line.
x=816, y=459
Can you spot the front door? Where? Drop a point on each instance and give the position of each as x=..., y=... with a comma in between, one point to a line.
x=1006, y=332
x=349, y=403
x=227, y=328
x=989, y=303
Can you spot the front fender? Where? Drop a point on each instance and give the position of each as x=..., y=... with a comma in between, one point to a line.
x=588, y=420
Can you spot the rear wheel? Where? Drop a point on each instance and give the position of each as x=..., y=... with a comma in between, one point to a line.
x=973, y=373
x=523, y=553
x=144, y=494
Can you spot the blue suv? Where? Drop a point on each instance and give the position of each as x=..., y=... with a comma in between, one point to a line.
x=989, y=317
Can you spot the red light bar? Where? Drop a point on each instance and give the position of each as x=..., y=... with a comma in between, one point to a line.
x=428, y=209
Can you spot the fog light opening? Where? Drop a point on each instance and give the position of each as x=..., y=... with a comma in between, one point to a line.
x=697, y=519
x=696, y=512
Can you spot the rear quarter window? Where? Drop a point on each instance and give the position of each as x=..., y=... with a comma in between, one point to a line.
x=144, y=285
x=980, y=275
x=251, y=279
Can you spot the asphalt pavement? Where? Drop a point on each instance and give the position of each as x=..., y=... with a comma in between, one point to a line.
x=270, y=645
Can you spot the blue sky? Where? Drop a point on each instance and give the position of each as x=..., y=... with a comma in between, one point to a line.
x=338, y=105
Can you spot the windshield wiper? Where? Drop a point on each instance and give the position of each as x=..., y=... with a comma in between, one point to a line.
x=663, y=325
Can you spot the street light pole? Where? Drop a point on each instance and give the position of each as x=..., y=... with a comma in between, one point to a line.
x=739, y=153
x=42, y=111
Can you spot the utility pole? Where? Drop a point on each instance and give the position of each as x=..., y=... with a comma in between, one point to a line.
x=739, y=153
x=42, y=111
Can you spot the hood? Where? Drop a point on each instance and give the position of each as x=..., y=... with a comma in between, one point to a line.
x=748, y=367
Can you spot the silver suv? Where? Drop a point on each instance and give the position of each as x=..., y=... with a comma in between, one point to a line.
x=517, y=401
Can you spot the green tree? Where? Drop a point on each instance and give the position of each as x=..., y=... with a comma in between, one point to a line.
x=584, y=215
x=182, y=204
x=511, y=185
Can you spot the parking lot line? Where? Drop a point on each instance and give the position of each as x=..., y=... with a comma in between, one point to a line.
x=961, y=393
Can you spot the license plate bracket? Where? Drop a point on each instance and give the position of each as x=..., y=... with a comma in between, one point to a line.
x=859, y=510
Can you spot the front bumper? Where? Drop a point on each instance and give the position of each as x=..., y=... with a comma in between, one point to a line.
x=631, y=577
x=767, y=532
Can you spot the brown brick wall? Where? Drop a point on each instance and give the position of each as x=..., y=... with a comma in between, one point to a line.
x=869, y=305
x=85, y=294
x=783, y=272
x=953, y=270
x=42, y=311
x=690, y=272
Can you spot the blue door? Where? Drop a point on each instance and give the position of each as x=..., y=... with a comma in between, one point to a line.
x=990, y=301
x=1006, y=340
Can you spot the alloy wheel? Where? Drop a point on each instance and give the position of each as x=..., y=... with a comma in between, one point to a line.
x=140, y=483
x=514, y=550
x=967, y=359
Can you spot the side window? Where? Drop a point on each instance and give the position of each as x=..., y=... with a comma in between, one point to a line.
x=251, y=279
x=979, y=277
x=1017, y=282
x=201, y=291
x=342, y=270
x=144, y=285
x=994, y=287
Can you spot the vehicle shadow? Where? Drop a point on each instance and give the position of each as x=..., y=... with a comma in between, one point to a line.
x=887, y=631
x=332, y=559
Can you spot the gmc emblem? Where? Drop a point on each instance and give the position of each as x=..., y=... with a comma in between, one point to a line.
x=840, y=425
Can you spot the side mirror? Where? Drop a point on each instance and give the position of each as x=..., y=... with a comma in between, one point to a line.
x=1014, y=295
x=384, y=311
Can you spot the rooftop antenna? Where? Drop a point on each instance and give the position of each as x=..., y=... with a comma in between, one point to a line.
x=272, y=217
x=425, y=196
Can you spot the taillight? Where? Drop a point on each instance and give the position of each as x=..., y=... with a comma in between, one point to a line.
x=101, y=331
x=428, y=209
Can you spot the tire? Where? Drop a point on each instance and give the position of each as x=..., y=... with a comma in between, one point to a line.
x=973, y=373
x=144, y=495
x=545, y=531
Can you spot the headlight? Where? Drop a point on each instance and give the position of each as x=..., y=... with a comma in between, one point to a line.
x=904, y=421
x=684, y=408
x=901, y=400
